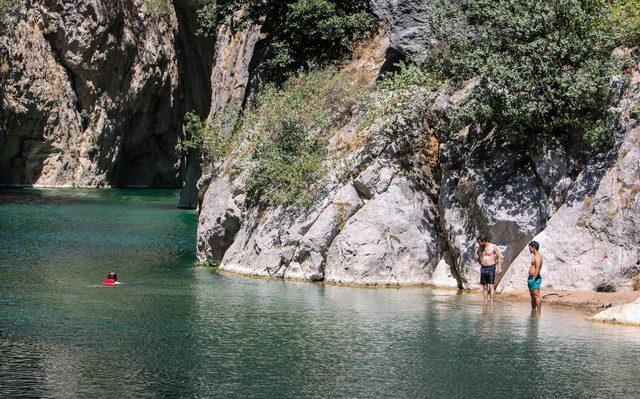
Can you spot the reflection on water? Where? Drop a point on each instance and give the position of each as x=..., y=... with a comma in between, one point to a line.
x=175, y=330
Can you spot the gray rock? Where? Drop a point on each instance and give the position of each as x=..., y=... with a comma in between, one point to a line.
x=444, y=275
x=375, y=179
x=219, y=222
x=594, y=238
x=623, y=314
x=391, y=240
x=257, y=248
x=405, y=19
x=312, y=248
x=489, y=190
x=230, y=81
x=553, y=172
x=90, y=96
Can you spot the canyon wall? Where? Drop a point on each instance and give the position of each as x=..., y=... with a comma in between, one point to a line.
x=93, y=93
x=410, y=213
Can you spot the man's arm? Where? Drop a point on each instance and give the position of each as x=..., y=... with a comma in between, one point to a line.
x=496, y=251
x=478, y=251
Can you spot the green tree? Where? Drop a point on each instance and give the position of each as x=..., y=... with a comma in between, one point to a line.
x=544, y=66
x=301, y=31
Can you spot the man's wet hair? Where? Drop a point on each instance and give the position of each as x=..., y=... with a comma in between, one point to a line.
x=535, y=244
x=482, y=238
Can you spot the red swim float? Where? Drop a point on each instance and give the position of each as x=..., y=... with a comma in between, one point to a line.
x=109, y=281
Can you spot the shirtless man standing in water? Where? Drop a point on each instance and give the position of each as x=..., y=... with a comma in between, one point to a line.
x=488, y=255
x=535, y=280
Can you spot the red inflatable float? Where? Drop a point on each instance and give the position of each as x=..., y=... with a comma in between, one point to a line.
x=109, y=281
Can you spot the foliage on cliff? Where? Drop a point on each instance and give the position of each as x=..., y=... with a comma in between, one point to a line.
x=545, y=66
x=288, y=126
x=301, y=31
x=625, y=16
x=8, y=14
x=157, y=7
x=542, y=71
x=209, y=138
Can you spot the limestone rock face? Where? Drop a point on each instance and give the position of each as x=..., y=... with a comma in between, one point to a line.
x=389, y=236
x=219, y=222
x=230, y=82
x=594, y=238
x=392, y=240
x=379, y=227
x=487, y=190
x=400, y=221
x=93, y=96
x=624, y=314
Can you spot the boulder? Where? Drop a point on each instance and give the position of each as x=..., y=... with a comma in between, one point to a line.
x=392, y=240
x=623, y=314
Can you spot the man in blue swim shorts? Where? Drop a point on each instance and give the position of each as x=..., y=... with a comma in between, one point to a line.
x=534, y=281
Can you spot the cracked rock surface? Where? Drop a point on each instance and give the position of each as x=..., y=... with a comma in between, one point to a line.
x=94, y=94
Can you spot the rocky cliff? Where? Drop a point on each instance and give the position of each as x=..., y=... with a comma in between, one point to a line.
x=93, y=93
x=591, y=241
x=404, y=207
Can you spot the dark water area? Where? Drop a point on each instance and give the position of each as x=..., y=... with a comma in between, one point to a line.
x=173, y=329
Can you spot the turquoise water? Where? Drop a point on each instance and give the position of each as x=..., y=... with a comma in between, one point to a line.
x=177, y=330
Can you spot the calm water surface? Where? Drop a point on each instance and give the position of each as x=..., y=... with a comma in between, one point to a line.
x=177, y=330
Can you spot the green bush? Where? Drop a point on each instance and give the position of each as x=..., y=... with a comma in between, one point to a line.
x=216, y=12
x=288, y=126
x=544, y=66
x=8, y=15
x=209, y=138
x=400, y=98
x=625, y=16
x=302, y=31
x=157, y=7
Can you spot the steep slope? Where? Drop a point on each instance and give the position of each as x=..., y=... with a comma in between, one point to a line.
x=403, y=206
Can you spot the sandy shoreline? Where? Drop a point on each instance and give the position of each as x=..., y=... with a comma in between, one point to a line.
x=587, y=302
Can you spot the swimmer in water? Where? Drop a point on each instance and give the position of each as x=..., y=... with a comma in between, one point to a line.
x=112, y=276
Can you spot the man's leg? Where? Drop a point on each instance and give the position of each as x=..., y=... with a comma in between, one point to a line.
x=484, y=292
x=491, y=291
x=538, y=299
x=533, y=299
